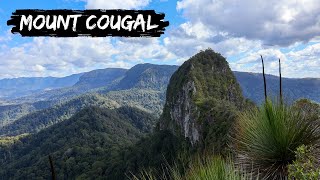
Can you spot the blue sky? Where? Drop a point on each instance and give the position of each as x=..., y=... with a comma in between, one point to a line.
x=239, y=30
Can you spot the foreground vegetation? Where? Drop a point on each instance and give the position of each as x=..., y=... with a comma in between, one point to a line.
x=268, y=138
x=201, y=168
x=276, y=141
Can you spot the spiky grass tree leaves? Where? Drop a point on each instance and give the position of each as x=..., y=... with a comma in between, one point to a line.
x=215, y=168
x=267, y=138
x=201, y=168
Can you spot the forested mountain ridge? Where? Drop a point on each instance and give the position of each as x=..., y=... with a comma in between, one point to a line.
x=10, y=113
x=293, y=88
x=147, y=100
x=147, y=76
x=142, y=76
x=34, y=122
x=100, y=78
x=88, y=82
x=146, y=92
x=17, y=87
x=81, y=146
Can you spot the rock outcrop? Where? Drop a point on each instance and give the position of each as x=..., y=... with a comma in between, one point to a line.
x=198, y=90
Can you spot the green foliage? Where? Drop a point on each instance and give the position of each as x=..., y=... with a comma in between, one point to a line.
x=204, y=93
x=145, y=99
x=307, y=107
x=202, y=168
x=10, y=140
x=81, y=147
x=9, y=113
x=215, y=168
x=307, y=165
x=212, y=77
x=268, y=137
x=38, y=120
x=147, y=92
x=148, y=100
x=156, y=151
x=218, y=117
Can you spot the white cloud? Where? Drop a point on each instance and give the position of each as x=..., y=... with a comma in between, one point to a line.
x=64, y=56
x=140, y=49
x=6, y=37
x=306, y=61
x=239, y=30
x=198, y=30
x=245, y=54
x=298, y=64
x=188, y=39
x=275, y=22
x=116, y=4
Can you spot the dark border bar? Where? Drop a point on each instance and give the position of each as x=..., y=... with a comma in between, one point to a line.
x=143, y=23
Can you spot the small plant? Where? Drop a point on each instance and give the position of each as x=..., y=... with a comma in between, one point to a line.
x=214, y=168
x=267, y=138
x=146, y=175
x=307, y=165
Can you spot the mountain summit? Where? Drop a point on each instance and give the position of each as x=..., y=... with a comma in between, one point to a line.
x=203, y=91
x=147, y=76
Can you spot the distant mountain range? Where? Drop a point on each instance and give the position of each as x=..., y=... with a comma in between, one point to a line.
x=33, y=106
x=17, y=87
x=293, y=88
x=142, y=86
x=20, y=90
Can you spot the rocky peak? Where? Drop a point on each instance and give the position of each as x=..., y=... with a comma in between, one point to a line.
x=201, y=84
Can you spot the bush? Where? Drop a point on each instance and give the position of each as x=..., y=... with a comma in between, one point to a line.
x=306, y=165
x=266, y=138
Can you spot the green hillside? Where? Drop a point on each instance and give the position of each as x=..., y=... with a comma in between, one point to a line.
x=81, y=146
x=34, y=122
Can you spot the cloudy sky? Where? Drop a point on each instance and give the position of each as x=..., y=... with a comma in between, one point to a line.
x=240, y=30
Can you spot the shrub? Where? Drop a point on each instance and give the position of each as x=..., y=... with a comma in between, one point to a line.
x=307, y=165
x=266, y=138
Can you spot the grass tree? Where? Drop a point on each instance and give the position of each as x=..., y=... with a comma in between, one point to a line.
x=268, y=137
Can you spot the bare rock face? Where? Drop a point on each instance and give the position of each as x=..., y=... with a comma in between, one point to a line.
x=181, y=112
x=200, y=84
